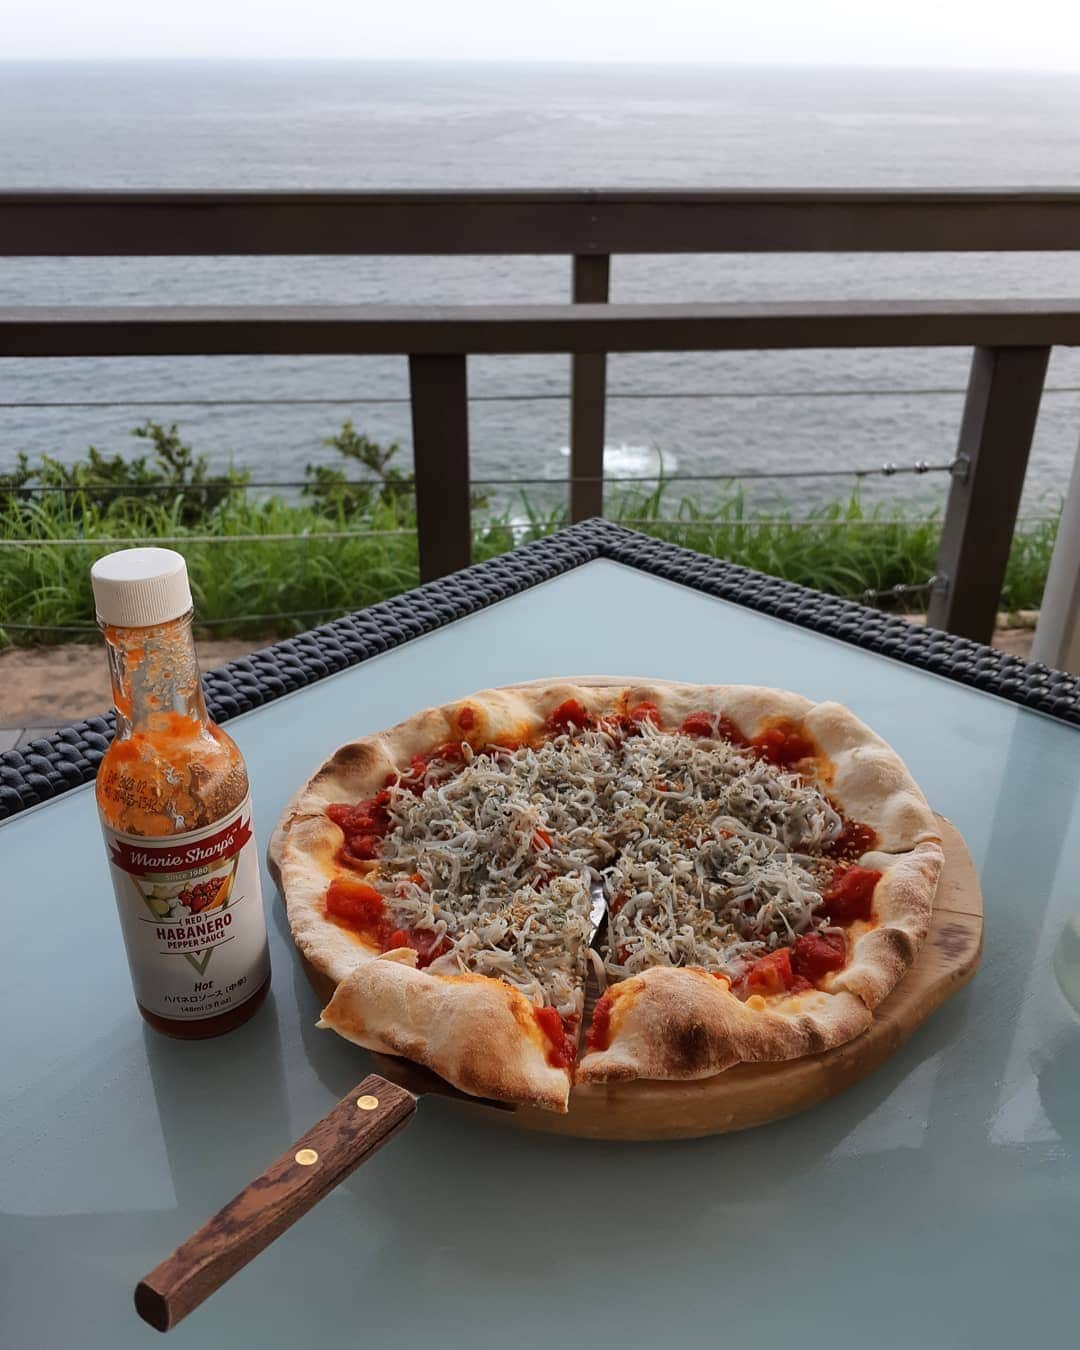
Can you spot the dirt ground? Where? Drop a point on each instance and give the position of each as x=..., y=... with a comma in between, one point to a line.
x=44, y=686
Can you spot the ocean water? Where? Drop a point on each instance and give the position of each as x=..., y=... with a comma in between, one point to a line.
x=398, y=125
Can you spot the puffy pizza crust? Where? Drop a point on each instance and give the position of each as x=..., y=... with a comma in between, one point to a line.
x=672, y=1023
x=669, y=1027
x=477, y=1033
x=884, y=951
x=307, y=868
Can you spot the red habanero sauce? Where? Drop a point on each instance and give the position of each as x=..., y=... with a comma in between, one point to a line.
x=360, y=907
x=559, y=1030
x=175, y=809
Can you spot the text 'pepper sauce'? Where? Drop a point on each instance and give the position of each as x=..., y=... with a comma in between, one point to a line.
x=172, y=793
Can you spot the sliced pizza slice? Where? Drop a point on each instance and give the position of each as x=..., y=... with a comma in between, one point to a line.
x=700, y=1006
x=480, y=1034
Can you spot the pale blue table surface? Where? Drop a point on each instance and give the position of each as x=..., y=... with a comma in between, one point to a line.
x=935, y=1204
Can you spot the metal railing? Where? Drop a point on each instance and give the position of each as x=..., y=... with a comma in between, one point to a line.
x=1011, y=339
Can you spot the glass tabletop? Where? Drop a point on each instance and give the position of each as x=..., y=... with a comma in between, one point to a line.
x=937, y=1203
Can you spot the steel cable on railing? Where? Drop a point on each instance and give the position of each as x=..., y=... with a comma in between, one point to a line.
x=886, y=470
x=220, y=490
x=122, y=540
x=512, y=527
x=899, y=591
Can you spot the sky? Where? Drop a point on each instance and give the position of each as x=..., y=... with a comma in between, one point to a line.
x=1037, y=34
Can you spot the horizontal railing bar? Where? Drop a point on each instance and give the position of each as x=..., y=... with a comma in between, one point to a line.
x=566, y=221
x=498, y=398
x=207, y=330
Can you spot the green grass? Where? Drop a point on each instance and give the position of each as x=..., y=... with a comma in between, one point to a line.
x=239, y=567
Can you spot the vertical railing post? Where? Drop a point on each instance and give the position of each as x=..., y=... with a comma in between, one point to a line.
x=438, y=392
x=998, y=425
x=1057, y=634
x=588, y=395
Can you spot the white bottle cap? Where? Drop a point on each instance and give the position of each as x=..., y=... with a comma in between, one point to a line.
x=138, y=587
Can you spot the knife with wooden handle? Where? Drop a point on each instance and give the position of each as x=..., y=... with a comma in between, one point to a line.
x=358, y=1126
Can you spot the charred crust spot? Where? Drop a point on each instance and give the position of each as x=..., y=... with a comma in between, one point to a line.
x=354, y=756
x=352, y=760
x=689, y=1045
x=898, y=944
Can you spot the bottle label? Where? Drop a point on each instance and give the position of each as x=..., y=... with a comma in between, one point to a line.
x=192, y=915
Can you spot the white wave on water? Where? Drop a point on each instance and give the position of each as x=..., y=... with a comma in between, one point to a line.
x=520, y=526
x=633, y=461
x=643, y=462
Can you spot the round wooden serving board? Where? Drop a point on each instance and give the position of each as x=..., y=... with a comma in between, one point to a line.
x=754, y=1094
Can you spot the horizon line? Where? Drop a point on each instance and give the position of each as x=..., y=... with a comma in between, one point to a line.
x=614, y=63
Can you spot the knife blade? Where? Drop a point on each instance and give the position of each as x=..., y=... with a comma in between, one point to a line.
x=596, y=982
x=597, y=909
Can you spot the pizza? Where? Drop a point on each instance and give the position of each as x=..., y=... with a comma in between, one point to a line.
x=768, y=862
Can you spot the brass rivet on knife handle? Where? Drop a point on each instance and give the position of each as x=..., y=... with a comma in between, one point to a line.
x=340, y=1142
x=367, y=1103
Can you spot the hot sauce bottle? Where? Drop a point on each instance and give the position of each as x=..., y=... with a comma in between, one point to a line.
x=172, y=793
